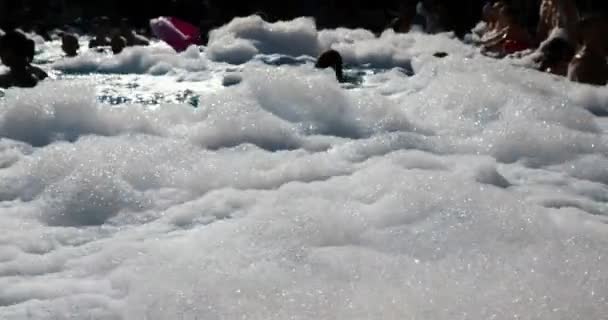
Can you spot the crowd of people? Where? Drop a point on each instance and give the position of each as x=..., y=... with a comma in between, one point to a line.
x=565, y=41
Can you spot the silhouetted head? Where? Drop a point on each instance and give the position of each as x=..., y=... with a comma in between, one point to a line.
x=69, y=44
x=118, y=43
x=331, y=59
x=16, y=50
x=555, y=52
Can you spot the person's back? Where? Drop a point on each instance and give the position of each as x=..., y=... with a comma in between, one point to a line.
x=17, y=52
x=589, y=64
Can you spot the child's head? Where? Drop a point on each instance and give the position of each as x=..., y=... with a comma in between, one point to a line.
x=69, y=44
x=16, y=50
x=118, y=43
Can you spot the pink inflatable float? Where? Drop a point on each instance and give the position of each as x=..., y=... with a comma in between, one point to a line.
x=175, y=32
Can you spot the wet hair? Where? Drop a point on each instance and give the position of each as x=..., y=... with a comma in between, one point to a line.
x=555, y=51
x=118, y=43
x=71, y=41
x=331, y=59
x=19, y=43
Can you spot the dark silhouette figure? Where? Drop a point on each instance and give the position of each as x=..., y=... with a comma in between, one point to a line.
x=17, y=53
x=118, y=43
x=555, y=56
x=331, y=59
x=69, y=44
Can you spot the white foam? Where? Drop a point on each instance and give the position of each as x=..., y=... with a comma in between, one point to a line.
x=155, y=60
x=243, y=38
x=473, y=189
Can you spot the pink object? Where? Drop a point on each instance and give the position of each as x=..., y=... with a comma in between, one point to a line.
x=175, y=32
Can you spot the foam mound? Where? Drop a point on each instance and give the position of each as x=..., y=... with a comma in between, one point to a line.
x=469, y=189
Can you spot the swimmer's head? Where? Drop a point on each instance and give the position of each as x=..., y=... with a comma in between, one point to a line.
x=331, y=59
x=16, y=50
x=118, y=43
x=555, y=52
x=69, y=44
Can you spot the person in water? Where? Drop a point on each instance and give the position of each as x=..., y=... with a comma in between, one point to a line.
x=69, y=44
x=133, y=39
x=17, y=53
x=101, y=34
x=331, y=59
x=511, y=36
x=555, y=14
x=490, y=17
x=589, y=64
x=118, y=43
